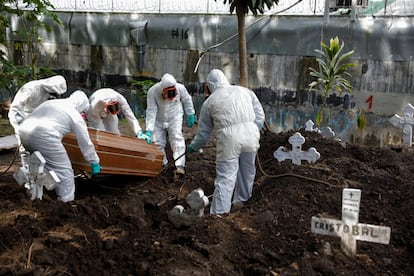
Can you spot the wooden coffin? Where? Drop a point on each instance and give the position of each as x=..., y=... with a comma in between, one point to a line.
x=118, y=154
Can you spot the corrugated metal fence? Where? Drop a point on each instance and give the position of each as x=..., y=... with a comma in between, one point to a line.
x=287, y=7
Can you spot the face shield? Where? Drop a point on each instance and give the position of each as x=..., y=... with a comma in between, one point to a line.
x=169, y=93
x=113, y=107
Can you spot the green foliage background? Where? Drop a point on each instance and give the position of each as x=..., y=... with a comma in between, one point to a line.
x=331, y=76
x=13, y=75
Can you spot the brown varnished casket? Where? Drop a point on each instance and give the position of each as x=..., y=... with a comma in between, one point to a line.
x=118, y=154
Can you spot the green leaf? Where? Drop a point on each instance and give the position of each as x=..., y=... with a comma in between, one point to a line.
x=318, y=118
x=330, y=77
x=361, y=121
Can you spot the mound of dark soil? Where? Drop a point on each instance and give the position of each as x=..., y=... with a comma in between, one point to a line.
x=119, y=225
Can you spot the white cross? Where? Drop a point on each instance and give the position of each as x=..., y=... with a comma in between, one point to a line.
x=327, y=132
x=309, y=126
x=33, y=174
x=349, y=229
x=297, y=154
x=197, y=201
x=406, y=122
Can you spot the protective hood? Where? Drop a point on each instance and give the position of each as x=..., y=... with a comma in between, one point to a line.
x=216, y=79
x=80, y=101
x=54, y=85
x=167, y=80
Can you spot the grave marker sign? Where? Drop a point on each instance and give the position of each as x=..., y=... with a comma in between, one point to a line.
x=351, y=199
x=348, y=229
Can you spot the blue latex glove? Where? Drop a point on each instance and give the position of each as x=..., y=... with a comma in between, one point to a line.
x=190, y=120
x=141, y=135
x=190, y=149
x=96, y=168
x=148, y=133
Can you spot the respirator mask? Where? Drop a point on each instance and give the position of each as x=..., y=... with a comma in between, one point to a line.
x=169, y=93
x=113, y=108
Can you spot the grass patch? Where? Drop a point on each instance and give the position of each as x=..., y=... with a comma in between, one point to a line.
x=5, y=127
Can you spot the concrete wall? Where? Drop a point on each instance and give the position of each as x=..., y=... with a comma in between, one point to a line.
x=96, y=50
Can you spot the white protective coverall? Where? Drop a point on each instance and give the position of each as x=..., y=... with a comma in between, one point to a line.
x=100, y=118
x=31, y=95
x=236, y=116
x=165, y=116
x=44, y=129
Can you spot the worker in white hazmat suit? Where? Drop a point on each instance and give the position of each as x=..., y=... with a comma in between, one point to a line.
x=44, y=129
x=106, y=104
x=31, y=95
x=236, y=116
x=167, y=101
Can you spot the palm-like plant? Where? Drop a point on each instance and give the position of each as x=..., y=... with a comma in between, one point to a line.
x=332, y=75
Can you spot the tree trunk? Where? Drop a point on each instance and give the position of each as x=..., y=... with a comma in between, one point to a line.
x=241, y=10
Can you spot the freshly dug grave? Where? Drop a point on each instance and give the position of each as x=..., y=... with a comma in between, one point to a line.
x=119, y=225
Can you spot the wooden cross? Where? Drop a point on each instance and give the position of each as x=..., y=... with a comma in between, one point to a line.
x=406, y=122
x=297, y=154
x=349, y=229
